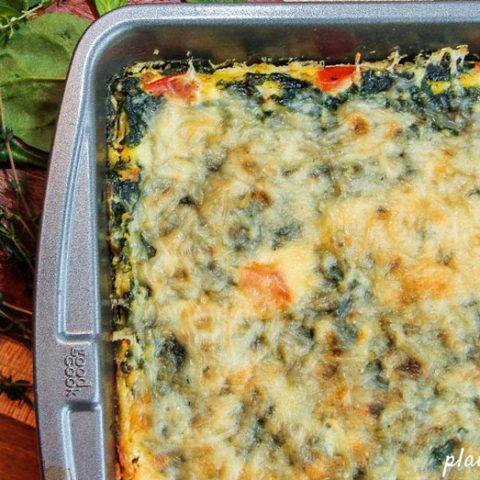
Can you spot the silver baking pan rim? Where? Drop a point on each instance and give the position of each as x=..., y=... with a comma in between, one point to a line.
x=73, y=354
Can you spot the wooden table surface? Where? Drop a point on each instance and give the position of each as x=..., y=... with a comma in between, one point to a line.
x=18, y=442
x=19, y=458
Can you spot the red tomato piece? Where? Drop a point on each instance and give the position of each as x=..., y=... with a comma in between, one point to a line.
x=335, y=77
x=265, y=285
x=161, y=461
x=177, y=85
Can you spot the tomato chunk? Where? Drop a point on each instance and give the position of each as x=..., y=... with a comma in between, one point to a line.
x=265, y=285
x=177, y=85
x=161, y=461
x=335, y=77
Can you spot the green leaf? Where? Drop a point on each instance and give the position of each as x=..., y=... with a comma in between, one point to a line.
x=7, y=12
x=104, y=6
x=33, y=3
x=15, y=5
x=14, y=13
x=22, y=155
x=33, y=67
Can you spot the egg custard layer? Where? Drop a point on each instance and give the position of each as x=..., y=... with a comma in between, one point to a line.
x=296, y=258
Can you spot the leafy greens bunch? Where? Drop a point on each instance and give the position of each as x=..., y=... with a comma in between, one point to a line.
x=35, y=52
x=33, y=68
x=14, y=12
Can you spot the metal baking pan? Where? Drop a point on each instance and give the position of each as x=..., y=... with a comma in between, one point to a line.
x=73, y=357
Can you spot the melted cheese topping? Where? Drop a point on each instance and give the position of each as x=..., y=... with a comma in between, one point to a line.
x=300, y=286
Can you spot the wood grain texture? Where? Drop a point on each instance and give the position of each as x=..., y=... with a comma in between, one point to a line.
x=18, y=443
x=16, y=360
x=18, y=451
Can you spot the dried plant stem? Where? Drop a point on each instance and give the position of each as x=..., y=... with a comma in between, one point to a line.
x=17, y=187
x=16, y=309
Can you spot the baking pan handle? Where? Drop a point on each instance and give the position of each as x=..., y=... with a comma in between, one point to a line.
x=69, y=410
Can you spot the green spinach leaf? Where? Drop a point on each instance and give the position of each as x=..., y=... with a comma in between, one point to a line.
x=33, y=67
x=15, y=12
x=22, y=154
x=104, y=6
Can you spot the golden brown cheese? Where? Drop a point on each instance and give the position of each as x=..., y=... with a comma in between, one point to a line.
x=296, y=255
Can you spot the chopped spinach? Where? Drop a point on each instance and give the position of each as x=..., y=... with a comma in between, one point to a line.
x=175, y=351
x=307, y=332
x=322, y=169
x=344, y=308
x=200, y=65
x=375, y=82
x=334, y=273
x=376, y=369
x=440, y=453
x=172, y=352
x=284, y=234
x=376, y=408
x=131, y=362
x=126, y=190
x=150, y=250
x=138, y=107
x=359, y=473
x=245, y=237
x=124, y=194
x=323, y=304
x=187, y=200
x=410, y=367
x=245, y=87
x=346, y=330
x=437, y=73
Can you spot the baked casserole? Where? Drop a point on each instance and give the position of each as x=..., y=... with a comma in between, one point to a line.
x=296, y=268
